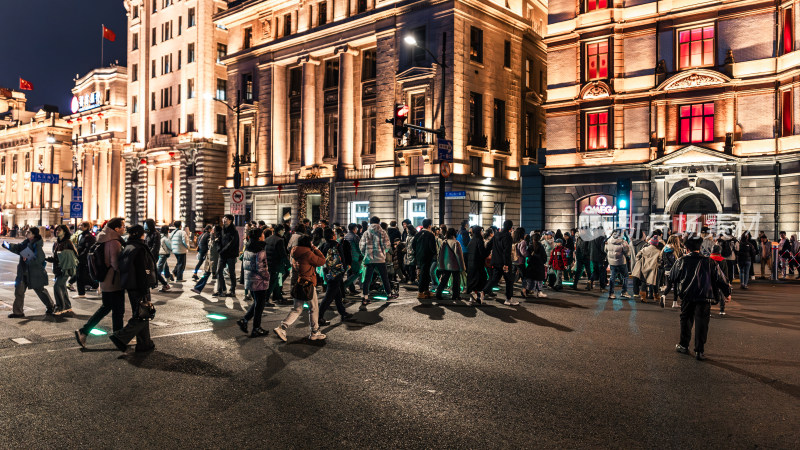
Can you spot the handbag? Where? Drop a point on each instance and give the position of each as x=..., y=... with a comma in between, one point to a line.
x=303, y=290
x=146, y=310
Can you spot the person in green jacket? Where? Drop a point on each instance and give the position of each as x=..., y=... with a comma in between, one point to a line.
x=30, y=273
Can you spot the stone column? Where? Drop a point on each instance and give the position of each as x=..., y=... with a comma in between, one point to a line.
x=159, y=194
x=346, y=109
x=280, y=141
x=90, y=185
x=309, y=112
x=150, y=192
x=102, y=198
x=176, y=190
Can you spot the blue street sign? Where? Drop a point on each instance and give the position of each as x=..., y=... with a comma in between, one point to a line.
x=445, y=149
x=39, y=177
x=77, y=194
x=76, y=210
x=455, y=194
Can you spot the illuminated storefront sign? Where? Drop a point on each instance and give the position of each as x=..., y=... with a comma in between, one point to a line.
x=601, y=205
x=86, y=102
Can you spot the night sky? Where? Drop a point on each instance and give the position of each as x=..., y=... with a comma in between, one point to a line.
x=47, y=42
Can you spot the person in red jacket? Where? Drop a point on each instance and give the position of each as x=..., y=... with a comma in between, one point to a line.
x=305, y=259
x=559, y=262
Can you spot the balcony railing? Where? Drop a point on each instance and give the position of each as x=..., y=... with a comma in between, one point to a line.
x=416, y=139
x=360, y=174
x=245, y=158
x=503, y=146
x=284, y=178
x=477, y=141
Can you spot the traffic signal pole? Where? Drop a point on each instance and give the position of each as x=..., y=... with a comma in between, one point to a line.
x=441, y=133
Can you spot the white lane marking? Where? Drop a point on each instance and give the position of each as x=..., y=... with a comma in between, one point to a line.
x=21, y=341
x=158, y=324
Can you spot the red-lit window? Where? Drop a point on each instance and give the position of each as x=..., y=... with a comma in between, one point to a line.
x=788, y=32
x=697, y=123
x=597, y=60
x=786, y=111
x=592, y=5
x=597, y=131
x=696, y=47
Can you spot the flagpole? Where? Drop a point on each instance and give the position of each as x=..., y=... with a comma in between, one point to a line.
x=102, y=27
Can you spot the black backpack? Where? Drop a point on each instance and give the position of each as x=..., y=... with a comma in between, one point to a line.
x=727, y=247
x=98, y=269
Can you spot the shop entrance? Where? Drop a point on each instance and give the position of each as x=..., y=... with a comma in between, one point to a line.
x=693, y=213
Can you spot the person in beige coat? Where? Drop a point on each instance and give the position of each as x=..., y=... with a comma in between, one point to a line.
x=646, y=269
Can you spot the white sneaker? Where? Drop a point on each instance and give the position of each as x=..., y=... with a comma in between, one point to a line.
x=674, y=304
x=317, y=336
x=79, y=296
x=280, y=332
x=507, y=302
x=542, y=294
x=514, y=303
x=612, y=296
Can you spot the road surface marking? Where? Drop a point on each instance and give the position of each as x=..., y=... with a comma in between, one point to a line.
x=21, y=341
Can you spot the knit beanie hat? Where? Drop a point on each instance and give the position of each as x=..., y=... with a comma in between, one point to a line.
x=654, y=241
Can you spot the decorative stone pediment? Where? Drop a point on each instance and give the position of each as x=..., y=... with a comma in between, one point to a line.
x=692, y=79
x=694, y=159
x=416, y=73
x=595, y=90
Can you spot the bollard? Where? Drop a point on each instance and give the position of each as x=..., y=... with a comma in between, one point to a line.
x=775, y=262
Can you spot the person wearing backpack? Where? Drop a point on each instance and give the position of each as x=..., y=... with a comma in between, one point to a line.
x=451, y=264
x=85, y=241
x=180, y=247
x=745, y=254
x=700, y=281
x=255, y=271
x=373, y=245
x=138, y=275
x=164, y=251
x=202, y=250
x=104, y=267
x=727, y=242
x=31, y=273
x=228, y=252
x=424, y=252
x=65, y=263
x=337, y=261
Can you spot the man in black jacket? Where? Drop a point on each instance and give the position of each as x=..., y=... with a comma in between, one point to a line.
x=425, y=252
x=228, y=252
x=85, y=241
x=277, y=264
x=700, y=282
x=202, y=250
x=583, y=262
x=152, y=240
x=597, y=255
x=334, y=276
x=501, y=262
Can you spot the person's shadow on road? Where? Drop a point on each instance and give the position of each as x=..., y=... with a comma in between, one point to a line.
x=519, y=313
x=433, y=311
x=157, y=360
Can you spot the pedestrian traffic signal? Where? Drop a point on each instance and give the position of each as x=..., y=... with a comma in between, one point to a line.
x=624, y=194
x=399, y=121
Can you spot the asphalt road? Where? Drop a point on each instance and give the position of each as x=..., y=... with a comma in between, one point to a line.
x=574, y=370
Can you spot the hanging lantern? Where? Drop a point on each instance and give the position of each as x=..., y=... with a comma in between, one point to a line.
x=143, y=161
x=356, y=184
x=280, y=188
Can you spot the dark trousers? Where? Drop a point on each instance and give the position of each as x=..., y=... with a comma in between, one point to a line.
x=180, y=265
x=497, y=274
x=230, y=264
x=114, y=303
x=274, y=289
x=424, y=275
x=138, y=328
x=334, y=293
x=201, y=258
x=599, y=273
x=163, y=266
x=697, y=314
x=381, y=268
x=446, y=275
x=201, y=283
x=256, y=310
x=19, y=296
x=580, y=267
x=84, y=279
x=411, y=272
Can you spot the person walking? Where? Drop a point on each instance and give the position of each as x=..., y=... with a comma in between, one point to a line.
x=210, y=263
x=85, y=241
x=728, y=244
x=410, y=257
x=31, y=273
x=277, y=264
x=110, y=243
x=424, y=253
x=672, y=252
x=203, y=246
x=165, y=250
x=766, y=256
x=255, y=270
x=65, y=263
x=373, y=245
x=337, y=261
x=228, y=252
x=745, y=254
x=616, y=251
x=152, y=239
x=536, y=266
x=597, y=257
x=180, y=247
x=501, y=263
x=137, y=268
x=451, y=264
x=476, y=266
x=722, y=263
x=559, y=263
x=700, y=282
x=648, y=262
x=305, y=259
x=582, y=260
x=355, y=269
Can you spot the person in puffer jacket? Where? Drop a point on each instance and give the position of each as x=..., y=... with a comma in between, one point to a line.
x=558, y=262
x=256, y=281
x=373, y=246
x=617, y=250
x=305, y=259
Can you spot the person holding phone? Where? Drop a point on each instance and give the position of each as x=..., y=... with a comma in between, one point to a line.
x=31, y=273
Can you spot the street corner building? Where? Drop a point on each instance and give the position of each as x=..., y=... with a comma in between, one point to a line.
x=32, y=142
x=177, y=132
x=672, y=115
x=98, y=121
x=316, y=82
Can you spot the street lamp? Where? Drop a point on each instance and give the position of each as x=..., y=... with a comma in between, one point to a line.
x=237, y=176
x=411, y=40
x=41, y=193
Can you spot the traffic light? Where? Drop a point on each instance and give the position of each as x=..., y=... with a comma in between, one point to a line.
x=624, y=194
x=400, y=116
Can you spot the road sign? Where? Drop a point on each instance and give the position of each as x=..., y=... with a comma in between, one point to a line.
x=76, y=210
x=77, y=194
x=445, y=170
x=237, y=196
x=455, y=194
x=445, y=149
x=237, y=209
x=40, y=177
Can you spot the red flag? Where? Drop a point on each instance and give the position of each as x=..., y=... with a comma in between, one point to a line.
x=108, y=34
x=25, y=85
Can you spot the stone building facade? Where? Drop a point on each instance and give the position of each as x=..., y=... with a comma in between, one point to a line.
x=177, y=130
x=319, y=79
x=697, y=104
x=31, y=141
x=99, y=122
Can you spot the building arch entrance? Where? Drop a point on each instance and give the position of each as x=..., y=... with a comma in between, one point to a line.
x=693, y=211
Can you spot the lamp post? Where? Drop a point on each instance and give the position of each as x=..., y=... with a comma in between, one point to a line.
x=41, y=195
x=412, y=41
x=237, y=176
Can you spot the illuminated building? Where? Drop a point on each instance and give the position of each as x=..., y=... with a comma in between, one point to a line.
x=691, y=105
x=319, y=79
x=176, y=131
x=31, y=141
x=99, y=120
